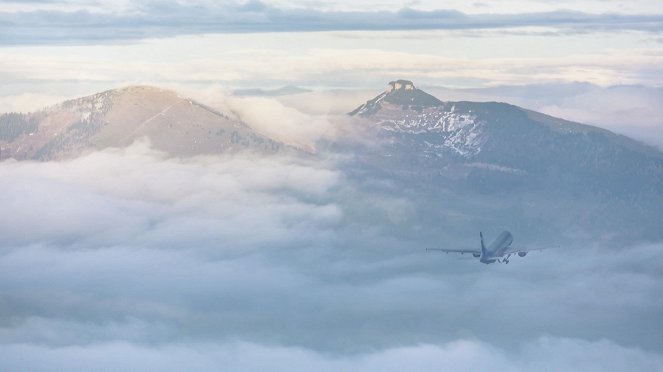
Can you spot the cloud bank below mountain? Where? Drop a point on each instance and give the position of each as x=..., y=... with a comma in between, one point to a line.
x=248, y=263
x=542, y=355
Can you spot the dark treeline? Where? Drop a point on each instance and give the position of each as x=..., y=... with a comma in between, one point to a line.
x=13, y=125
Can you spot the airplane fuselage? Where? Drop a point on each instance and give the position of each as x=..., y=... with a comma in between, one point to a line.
x=496, y=249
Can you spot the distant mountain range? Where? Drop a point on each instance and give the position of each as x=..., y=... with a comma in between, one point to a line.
x=260, y=92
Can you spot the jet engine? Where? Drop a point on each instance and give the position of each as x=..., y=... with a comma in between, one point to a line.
x=522, y=254
x=477, y=255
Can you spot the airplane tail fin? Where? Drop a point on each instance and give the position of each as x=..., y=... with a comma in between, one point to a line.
x=483, y=246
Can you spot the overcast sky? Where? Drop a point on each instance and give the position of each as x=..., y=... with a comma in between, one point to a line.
x=468, y=44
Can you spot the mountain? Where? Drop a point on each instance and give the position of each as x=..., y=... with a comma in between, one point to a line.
x=497, y=136
x=532, y=165
x=115, y=118
x=401, y=93
x=452, y=167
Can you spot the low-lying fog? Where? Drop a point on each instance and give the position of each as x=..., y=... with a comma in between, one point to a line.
x=130, y=260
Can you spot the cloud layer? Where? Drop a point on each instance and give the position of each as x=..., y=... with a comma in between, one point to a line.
x=251, y=262
x=542, y=355
x=156, y=19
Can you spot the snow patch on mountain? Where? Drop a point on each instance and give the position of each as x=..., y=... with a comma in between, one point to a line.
x=88, y=108
x=460, y=132
x=405, y=109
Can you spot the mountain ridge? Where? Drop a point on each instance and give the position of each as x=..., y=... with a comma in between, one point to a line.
x=182, y=126
x=117, y=117
x=476, y=163
x=400, y=109
x=500, y=162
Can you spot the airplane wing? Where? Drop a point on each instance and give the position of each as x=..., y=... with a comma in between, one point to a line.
x=461, y=251
x=513, y=250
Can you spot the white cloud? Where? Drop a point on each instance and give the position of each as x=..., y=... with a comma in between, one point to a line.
x=254, y=262
x=136, y=186
x=84, y=23
x=478, y=7
x=541, y=355
x=632, y=111
x=286, y=124
x=482, y=7
x=27, y=102
x=351, y=59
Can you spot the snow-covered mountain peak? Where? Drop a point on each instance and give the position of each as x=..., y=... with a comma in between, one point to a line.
x=403, y=109
x=450, y=129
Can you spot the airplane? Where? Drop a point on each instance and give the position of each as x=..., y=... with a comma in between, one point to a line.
x=495, y=252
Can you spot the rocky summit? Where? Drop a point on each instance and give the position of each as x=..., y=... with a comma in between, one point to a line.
x=399, y=93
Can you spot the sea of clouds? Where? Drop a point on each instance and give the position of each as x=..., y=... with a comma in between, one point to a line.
x=127, y=259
